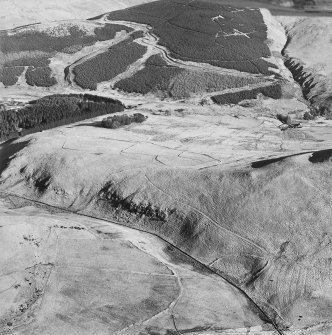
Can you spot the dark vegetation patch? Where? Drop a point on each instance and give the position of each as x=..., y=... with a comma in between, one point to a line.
x=35, y=40
x=108, y=65
x=37, y=74
x=117, y=121
x=109, y=31
x=40, y=76
x=55, y=110
x=192, y=31
x=109, y=195
x=155, y=77
x=193, y=82
x=42, y=45
x=32, y=40
x=272, y=91
x=10, y=75
x=158, y=76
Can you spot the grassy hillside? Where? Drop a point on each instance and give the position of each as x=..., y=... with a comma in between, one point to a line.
x=265, y=229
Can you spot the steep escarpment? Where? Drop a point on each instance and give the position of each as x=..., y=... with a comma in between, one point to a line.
x=307, y=55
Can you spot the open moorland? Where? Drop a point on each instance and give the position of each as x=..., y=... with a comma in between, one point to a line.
x=165, y=169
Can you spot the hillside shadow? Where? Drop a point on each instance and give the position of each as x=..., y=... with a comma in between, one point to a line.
x=7, y=150
x=265, y=162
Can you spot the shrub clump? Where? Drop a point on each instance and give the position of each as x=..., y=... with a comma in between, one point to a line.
x=117, y=121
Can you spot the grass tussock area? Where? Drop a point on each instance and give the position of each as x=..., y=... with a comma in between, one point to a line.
x=52, y=111
x=272, y=91
x=220, y=35
x=171, y=81
x=108, y=65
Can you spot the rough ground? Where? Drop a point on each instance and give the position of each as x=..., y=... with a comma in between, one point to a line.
x=204, y=219
x=64, y=273
x=133, y=176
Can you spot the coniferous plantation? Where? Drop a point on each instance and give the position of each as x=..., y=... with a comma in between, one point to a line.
x=55, y=110
x=272, y=91
x=33, y=47
x=213, y=33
